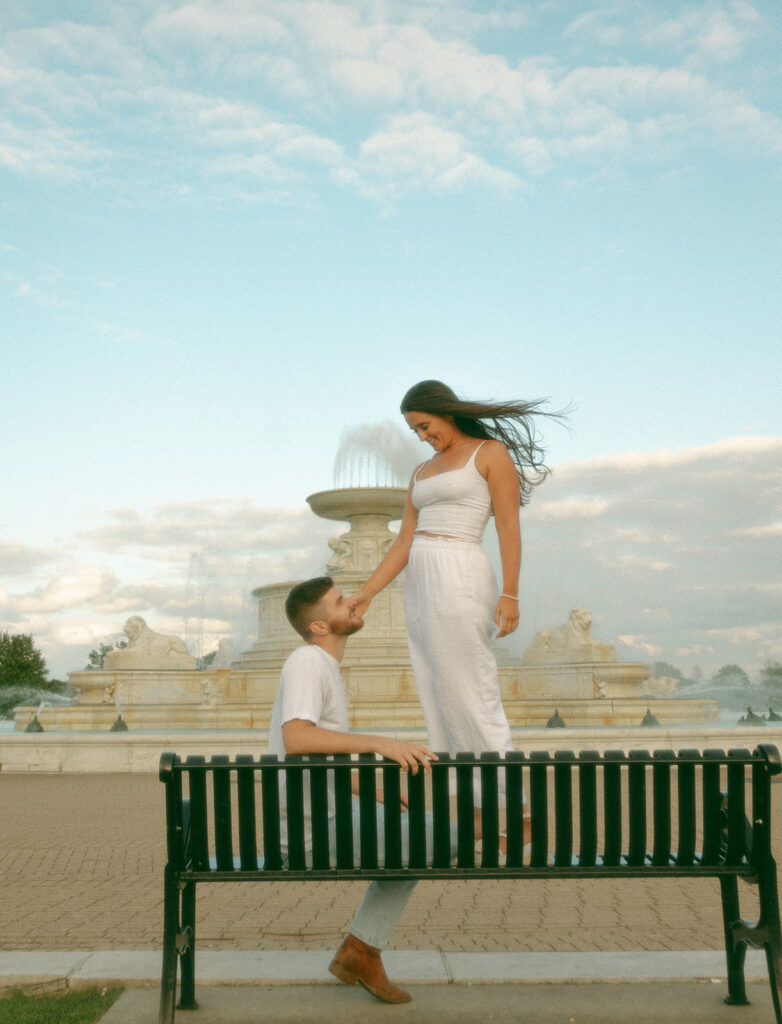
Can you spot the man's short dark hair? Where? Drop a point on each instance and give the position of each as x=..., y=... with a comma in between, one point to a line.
x=301, y=601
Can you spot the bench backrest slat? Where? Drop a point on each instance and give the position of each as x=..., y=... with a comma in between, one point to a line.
x=612, y=806
x=343, y=803
x=712, y=806
x=490, y=815
x=514, y=796
x=465, y=810
x=538, y=801
x=636, y=781
x=661, y=802
x=319, y=814
x=392, y=822
x=221, y=798
x=563, y=806
x=416, y=809
x=294, y=806
x=199, y=840
x=368, y=810
x=175, y=831
x=761, y=801
x=270, y=811
x=587, y=807
x=736, y=823
x=685, y=792
x=245, y=787
x=441, y=814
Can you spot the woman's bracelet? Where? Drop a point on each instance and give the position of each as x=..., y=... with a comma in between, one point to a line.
x=511, y=596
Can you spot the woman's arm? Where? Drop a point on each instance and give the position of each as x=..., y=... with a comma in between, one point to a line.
x=504, y=490
x=394, y=560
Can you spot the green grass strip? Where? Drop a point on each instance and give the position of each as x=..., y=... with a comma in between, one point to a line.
x=82, y=1006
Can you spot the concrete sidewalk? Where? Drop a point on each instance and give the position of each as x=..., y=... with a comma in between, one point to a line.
x=243, y=987
x=567, y=1003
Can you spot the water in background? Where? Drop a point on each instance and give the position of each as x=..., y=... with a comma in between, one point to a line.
x=12, y=697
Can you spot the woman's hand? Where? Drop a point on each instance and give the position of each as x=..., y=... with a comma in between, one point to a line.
x=358, y=603
x=506, y=615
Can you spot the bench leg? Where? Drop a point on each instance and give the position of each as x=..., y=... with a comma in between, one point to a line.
x=170, y=928
x=766, y=933
x=735, y=947
x=772, y=933
x=187, y=1000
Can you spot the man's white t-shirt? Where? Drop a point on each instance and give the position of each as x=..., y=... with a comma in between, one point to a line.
x=311, y=689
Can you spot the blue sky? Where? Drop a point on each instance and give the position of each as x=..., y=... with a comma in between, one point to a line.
x=231, y=231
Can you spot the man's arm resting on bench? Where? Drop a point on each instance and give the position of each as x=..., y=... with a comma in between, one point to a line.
x=301, y=736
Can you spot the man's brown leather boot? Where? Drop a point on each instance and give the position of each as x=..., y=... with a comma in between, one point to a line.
x=355, y=961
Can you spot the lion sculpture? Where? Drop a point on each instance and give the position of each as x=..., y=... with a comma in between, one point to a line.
x=147, y=649
x=569, y=643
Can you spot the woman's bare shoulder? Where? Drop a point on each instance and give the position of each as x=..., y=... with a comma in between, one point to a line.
x=492, y=452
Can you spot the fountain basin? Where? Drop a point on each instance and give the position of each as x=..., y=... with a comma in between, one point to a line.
x=347, y=502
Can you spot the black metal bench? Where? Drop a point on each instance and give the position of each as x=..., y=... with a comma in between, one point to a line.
x=635, y=815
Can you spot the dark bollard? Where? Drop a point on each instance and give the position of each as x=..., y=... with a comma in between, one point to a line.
x=120, y=725
x=751, y=718
x=34, y=725
x=649, y=718
x=555, y=722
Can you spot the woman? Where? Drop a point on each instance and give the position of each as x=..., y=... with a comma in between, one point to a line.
x=486, y=459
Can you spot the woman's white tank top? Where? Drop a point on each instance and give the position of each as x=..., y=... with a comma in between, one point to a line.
x=455, y=503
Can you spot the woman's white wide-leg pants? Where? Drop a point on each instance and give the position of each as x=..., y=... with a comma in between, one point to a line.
x=450, y=596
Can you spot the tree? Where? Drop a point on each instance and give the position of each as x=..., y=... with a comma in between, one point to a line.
x=771, y=676
x=21, y=663
x=664, y=668
x=97, y=654
x=731, y=675
x=207, y=660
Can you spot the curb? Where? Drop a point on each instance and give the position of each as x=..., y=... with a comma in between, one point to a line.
x=46, y=972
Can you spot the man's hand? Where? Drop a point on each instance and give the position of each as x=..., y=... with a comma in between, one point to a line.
x=408, y=755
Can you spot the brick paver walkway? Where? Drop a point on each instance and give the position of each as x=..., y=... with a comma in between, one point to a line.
x=81, y=867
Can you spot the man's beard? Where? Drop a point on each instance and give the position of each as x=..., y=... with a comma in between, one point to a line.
x=347, y=627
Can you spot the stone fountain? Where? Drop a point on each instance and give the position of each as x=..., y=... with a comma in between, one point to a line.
x=153, y=683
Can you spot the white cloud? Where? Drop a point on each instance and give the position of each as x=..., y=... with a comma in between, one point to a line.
x=81, y=635
x=768, y=530
x=19, y=559
x=213, y=528
x=710, y=32
x=416, y=151
x=236, y=23
x=207, y=95
x=636, y=643
x=567, y=508
x=371, y=81
x=83, y=584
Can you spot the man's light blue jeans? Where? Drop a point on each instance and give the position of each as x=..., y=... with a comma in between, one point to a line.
x=384, y=902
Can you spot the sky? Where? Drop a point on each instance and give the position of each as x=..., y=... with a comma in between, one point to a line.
x=233, y=234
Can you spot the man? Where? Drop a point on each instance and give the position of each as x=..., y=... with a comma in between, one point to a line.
x=310, y=717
